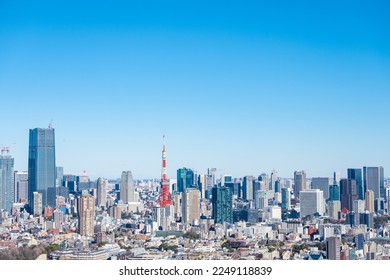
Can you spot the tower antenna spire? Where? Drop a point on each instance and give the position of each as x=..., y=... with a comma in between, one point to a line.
x=164, y=195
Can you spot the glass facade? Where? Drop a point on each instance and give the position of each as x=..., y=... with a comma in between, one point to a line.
x=6, y=182
x=186, y=178
x=356, y=174
x=42, y=165
x=222, y=205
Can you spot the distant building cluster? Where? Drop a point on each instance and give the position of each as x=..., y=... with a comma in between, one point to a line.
x=193, y=216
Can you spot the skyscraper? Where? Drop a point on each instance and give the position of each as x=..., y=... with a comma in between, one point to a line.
x=127, y=189
x=101, y=192
x=42, y=166
x=222, y=202
x=373, y=179
x=334, y=193
x=370, y=201
x=21, y=186
x=6, y=180
x=333, y=248
x=247, y=188
x=191, y=205
x=185, y=179
x=226, y=178
x=312, y=201
x=299, y=182
x=286, y=199
x=86, y=211
x=348, y=193
x=202, y=185
x=356, y=174
x=322, y=183
x=273, y=180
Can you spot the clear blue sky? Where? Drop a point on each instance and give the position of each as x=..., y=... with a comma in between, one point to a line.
x=243, y=86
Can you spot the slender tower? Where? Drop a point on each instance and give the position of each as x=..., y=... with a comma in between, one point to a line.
x=164, y=197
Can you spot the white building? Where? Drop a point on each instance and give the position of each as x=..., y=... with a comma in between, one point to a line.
x=312, y=201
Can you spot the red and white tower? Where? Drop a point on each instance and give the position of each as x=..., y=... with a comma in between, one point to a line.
x=164, y=197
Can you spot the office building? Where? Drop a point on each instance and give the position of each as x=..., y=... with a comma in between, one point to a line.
x=373, y=180
x=186, y=178
x=334, y=207
x=247, y=188
x=6, y=180
x=299, y=182
x=191, y=205
x=356, y=174
x=222, y=205
x=59, y=176
x=312, y=202
x=286, y=199
x=273, y=180
x=235, y=188
x=334, y=193
x=86, y=212
x=369, y=201
x=348, y=193
x=322, y=183
x=226, y=178
x=333, y=245
x=358, y=206
x=202, y=185
x=128, y=193
x=42, y=166
x=336, y=178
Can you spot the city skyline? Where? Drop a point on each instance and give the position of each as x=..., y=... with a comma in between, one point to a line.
x=243, y=88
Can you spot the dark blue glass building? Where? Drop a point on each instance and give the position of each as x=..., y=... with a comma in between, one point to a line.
x=42, y=166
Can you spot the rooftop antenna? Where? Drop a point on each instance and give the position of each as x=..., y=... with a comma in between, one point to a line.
x=50, y=124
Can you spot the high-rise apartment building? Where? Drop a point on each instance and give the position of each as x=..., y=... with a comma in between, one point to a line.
x=21, y=186
x=6, y=180
x=86, y=212
x=299, y=182
x=42, y=166
x=102, y=185
x=222, y=201
x=37, y=205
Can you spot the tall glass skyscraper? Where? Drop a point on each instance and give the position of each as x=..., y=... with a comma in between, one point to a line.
x=373, y=179
x=222, y=205
x=356, y=174
x=186, y=178
x=42, y=166
x=6, y=181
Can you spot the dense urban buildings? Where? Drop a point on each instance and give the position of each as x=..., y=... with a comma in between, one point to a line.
x=193, y=216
